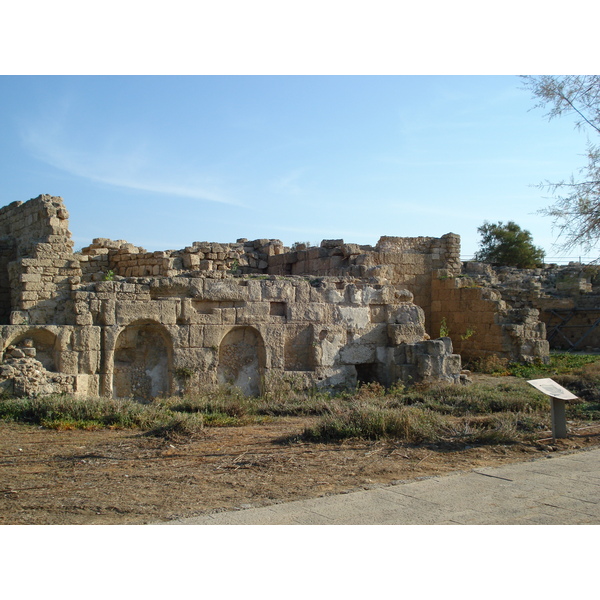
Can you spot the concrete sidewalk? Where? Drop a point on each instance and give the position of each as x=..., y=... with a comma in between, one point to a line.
x=562, y=489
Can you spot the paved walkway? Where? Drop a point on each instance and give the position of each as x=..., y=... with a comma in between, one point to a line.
x=563, y=489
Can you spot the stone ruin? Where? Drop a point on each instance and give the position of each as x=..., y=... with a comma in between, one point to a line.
x=118, y=321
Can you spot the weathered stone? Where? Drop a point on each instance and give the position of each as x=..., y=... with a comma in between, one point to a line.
x=118, y=320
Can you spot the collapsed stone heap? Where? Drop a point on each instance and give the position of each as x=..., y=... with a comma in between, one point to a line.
x=117, y=320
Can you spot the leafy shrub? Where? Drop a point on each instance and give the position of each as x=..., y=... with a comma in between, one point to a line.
x=508, y=245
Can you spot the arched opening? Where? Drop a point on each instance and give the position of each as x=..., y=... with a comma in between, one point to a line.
x=142, y=362
x=242, y=360
x=35, y=343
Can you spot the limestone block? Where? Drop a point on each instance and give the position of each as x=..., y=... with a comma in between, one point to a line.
x=333, y=296
x=33, y=286
x=127, y=313
x=447, y=345
x=452, y=365
x=168, y=310
x=308, y=312
x=19, y=317
x=68, y=361
x=299, y=267
x=349, y=250
x=427, y=366
x=379, y=313
x=224, y=290
x=254, y=290
x=405, y=334
x=107, y=312
x=228, y=316
x=355, y=354
x=89, y=362
x=393, y=295
x=277, y=290
x=303, y=291
x=337, y=377
x=253, y=312
x=213, y=334
x=84, y=319
x=353, y=294
x=213, y=318
x=407, y=314
x=327, y=350
x=273, y=337
x=374, y=334
x=107, y=286
x=373, y=296
x=434, y=347
x=86, y=339
x=277, y=260
x=86, y=385
x=353, y=317
x=196, y=359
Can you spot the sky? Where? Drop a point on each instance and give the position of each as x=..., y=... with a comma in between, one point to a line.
x=163, y=161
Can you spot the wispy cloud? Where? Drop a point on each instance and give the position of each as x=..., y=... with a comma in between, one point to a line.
x=122, y=164
x=289, y=183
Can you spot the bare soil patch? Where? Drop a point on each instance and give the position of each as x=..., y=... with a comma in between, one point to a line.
x=122, y=477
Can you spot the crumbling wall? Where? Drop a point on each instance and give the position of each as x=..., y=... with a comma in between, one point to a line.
x=148, y=337
x=115, y=319
x=567, y=299
x=38, y=258
x=126, y=260
x=407, y=262
x=481, y=324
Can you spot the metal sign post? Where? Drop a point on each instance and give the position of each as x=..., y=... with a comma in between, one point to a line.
x=558, y=396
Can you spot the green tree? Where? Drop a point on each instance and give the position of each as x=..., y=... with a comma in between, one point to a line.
x=508, y=246
x=576, y=211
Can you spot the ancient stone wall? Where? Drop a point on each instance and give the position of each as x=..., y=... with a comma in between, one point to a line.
x=480, y=323
x=126, y=260
x=37, y=260
x=114, y=319
x=566, y=297
x=117, y=320
x=408, y=262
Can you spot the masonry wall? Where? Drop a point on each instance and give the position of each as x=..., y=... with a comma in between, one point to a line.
x=36, y=261
x=481, y=324
x=567, y=299
x=117, y=320
x=143, y=338
x=407, y=262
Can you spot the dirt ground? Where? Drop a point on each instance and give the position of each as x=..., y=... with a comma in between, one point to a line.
x=122, y=477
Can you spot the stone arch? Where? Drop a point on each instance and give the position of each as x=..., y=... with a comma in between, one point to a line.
x=40, y=344
x=242, y=360
x=143, y=361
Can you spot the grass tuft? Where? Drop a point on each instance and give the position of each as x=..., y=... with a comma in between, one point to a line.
x=475, y=414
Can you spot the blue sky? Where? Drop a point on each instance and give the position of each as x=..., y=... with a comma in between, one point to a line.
x=163, y=161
